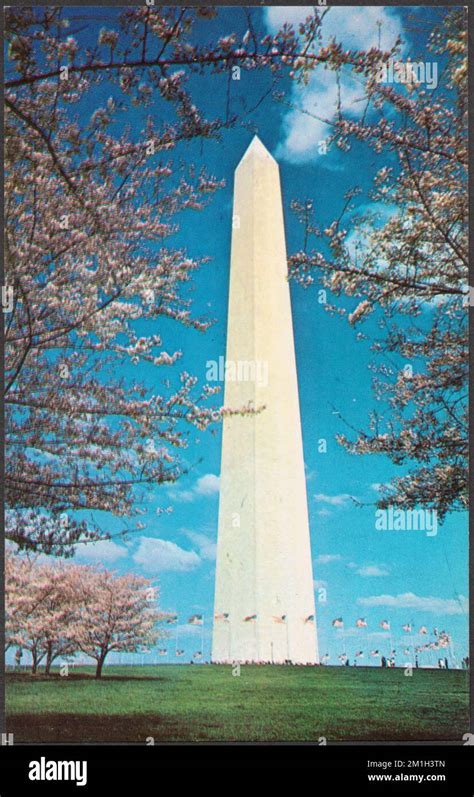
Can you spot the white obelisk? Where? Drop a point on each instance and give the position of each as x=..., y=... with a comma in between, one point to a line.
x=264, y=601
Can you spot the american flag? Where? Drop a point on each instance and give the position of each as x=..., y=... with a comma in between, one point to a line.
x=406, y=627
x=359, y=654
x=249, y=618
x=171, y=618
x=197, y=654
x=423, y=630
x=281, y=618
x=196, y=619
x=180, y=652
x=162, y=652
x=338, y=622
x=385, y=624
x=309, y=618
x=361, y=622
x=221, y=616
x=374, y=652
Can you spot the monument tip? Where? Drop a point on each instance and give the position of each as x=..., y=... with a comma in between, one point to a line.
x=257, y=150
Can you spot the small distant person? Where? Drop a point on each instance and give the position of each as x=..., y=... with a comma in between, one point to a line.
x=416, y=662
x=18, y=656
x=446, y=665
x=440, y=664
x=383, y=661
x=347, y=663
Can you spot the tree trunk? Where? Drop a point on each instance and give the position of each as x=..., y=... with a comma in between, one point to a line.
x=34, y=666
x=49, y=659
x=100, y=662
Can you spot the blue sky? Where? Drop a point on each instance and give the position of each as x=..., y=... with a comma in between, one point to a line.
x=399, y=576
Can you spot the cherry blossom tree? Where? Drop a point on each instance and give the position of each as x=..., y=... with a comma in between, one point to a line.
x=409, y=265
x=92, y=216
x=17, y=601
x=54, y=609
x=114, y=613
x=40, y=608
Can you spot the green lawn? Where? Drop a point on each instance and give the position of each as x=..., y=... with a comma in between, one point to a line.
x=207, y=703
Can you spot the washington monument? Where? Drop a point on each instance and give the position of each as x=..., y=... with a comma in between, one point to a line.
x=264, y=599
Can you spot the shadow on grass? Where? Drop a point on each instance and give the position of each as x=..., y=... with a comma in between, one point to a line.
x=51, y=728
x=72, y=676
x=58, y=728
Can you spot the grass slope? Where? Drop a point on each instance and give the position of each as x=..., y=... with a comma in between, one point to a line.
x=207, y=703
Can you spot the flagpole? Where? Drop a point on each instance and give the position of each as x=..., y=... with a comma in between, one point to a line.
x=202, y=639
x=451, y=652
x=287, y=640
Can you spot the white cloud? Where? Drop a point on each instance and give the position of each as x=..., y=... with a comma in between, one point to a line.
x=206, y=546
x=155, y=555
x=305, y=127
x=372, y=570
x=103, y=551
x=205, y=486
x=186, y=629
x=332, y=500
x=354, y=28
x=408, y=600
x=360, y=633
x=182, y=496
x=326, y=558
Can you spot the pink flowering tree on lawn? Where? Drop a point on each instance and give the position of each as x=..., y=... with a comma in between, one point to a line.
x=41, y=607
x=17, y=600
x=55, y=609
x=114, y=613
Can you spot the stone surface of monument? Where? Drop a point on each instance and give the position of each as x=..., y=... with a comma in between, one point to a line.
x=264, y=598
